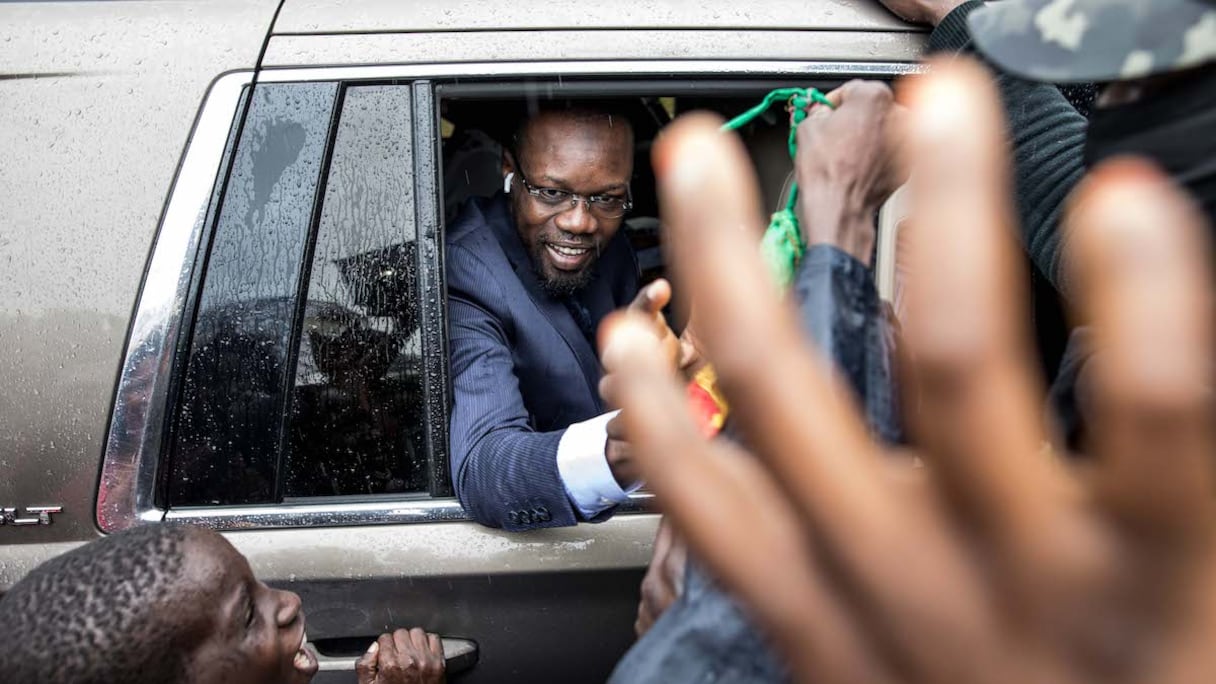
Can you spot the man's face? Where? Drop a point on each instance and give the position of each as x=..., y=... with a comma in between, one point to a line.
x=586, y=157
x=247, y=632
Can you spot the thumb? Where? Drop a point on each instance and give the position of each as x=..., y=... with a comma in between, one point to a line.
x=631, y=350
x=368, y=664
x=652, y=298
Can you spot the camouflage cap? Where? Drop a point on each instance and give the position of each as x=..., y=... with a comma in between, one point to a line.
x=1066, y=41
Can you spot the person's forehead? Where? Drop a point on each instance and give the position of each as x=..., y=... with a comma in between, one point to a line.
x=556, y=128
x=213, y=565
x=202, y=592
x=215, y=580
x=573, y=149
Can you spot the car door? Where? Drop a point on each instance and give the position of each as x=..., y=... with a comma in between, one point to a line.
x=286, y=377
x=286, y=382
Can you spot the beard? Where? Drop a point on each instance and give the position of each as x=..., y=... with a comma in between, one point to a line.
x=556, y=282
x=538, y=234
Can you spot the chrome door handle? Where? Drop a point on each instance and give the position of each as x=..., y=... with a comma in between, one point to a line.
x=459, y=655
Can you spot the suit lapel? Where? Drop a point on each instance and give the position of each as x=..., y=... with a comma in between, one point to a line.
x=553, y=310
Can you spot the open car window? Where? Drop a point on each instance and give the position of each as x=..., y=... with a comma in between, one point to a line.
x=315, y=365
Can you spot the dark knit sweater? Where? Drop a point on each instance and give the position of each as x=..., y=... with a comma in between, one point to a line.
x=1047, y=137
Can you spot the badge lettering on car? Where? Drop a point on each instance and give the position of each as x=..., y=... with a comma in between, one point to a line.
x=34, y=515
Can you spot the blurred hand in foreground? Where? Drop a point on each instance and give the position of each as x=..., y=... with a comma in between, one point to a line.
x=999, y=564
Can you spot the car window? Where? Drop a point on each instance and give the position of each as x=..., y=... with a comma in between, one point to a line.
x=316, y=364
x=356, y=423
x=225, y=441
x=304, y=367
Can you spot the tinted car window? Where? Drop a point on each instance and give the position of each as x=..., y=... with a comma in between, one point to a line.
x=356, y=423
x=227, y=434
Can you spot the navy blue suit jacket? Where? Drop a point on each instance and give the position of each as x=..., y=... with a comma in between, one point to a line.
x=522, y=369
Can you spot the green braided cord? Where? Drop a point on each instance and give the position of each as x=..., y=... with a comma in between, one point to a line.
x=782, y=245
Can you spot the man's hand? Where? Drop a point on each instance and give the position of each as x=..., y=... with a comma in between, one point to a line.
x=847, y=166
x=407, y=656
x=998, y=564
x=929, y=12
x=619, y=454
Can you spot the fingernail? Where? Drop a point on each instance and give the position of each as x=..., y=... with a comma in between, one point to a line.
x=374, y=647
x=624, y=338
x=681, y=152
x=660, y=156
x=1117, y=188
x=633, y=332
x=943, y=106
x=1114, y=175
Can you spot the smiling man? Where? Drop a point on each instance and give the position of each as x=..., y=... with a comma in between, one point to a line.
x=531, y=271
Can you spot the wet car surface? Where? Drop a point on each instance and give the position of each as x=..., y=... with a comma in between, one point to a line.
x=222, y=296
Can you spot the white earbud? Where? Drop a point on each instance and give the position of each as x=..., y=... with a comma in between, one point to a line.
x=506, y=182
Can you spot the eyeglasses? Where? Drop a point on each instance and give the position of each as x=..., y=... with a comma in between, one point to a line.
x=603, y=206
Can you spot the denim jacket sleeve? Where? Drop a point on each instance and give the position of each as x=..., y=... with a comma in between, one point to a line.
x=853, y=330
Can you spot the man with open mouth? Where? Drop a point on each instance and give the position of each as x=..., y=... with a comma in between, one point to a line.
x=531, y=272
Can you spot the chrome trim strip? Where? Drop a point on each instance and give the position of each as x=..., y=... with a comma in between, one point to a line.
x=133, y=443
x=591, y=68
x=459, y=654
x=310, y=515
x=128, y=471
x=337, y=514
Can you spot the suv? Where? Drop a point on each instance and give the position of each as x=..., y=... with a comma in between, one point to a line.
x=269, y=357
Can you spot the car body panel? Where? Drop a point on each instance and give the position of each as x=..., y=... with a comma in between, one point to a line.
x=78, y=214
x=589, y=45
x=422, y=16
x=100, y=100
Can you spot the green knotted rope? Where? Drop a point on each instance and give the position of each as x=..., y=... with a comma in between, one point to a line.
x=782, y=245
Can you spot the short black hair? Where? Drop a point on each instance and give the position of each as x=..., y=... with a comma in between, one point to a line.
x=102, y=613
x=589, y=112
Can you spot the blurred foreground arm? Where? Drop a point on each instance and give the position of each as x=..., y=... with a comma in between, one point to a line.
x=999, y=565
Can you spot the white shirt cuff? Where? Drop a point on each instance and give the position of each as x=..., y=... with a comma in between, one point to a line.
x=584, y=467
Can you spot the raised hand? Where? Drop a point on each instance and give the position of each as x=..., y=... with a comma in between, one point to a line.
x=998, y=563
x=846, y=167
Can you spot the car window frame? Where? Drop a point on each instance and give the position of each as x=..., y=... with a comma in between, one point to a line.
x=325, y=116
x=132, y=465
